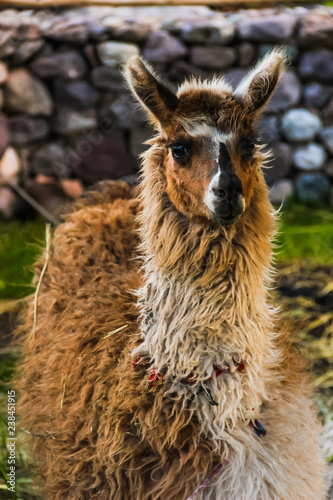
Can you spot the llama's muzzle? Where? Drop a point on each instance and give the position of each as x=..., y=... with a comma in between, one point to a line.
x=225, y=199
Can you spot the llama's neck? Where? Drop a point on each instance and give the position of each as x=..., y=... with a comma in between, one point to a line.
x=204, y=298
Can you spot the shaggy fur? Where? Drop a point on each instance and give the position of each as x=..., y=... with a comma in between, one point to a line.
x=194, y=295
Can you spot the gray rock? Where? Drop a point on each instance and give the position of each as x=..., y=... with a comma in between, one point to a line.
x=114, y=54
x=312, y=189
x=163, y=48
x=69, y=65
x=68, y=122
x=268, y=129
x=234, y=76
x=25, y=129
x=279, y=165
x=3, y=73
x=48, y=194
x=220, y=32
x=91, y=55
x=317, y=65
x=272, y=28
x=328, y=169
x=4, y=134
x=73, y=188
x=300, y=125
x=182, y=69
x=28, y=30
x=213, y=57
x=124, y=113
x=8, y=203
x=267, y=48
x=132, y=32
x=281, y=191
x=10, y=18
x=328, y=112
x=64, y=30
x=7, y=43
x=138, y=140
x=98, y=32
x=175, y=25
x=50, y=160
x=246, y=54
x=287, y=94
x=109, y=157
x=316, y=29
x=309, y=157
x=27, y=50
x=76, y=95
x=10, y=166
x=24, y=93
x=316, y=95
x=326, y=135
x=105, y=78
x=131, y=179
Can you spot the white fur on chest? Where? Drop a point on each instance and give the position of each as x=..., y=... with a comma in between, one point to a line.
x=189, y=330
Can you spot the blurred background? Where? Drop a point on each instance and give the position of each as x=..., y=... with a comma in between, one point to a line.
x=67, y=121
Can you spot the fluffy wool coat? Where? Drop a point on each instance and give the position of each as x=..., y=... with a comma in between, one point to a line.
x=178, y=298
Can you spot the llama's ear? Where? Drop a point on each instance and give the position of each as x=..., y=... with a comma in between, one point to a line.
x=152, y=93
x=257, y=87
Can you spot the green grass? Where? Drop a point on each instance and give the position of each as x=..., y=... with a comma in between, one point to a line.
x=306, y=233
x=20, y=245
x=24, y=488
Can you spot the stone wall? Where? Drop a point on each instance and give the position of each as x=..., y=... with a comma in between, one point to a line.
x=67, y=120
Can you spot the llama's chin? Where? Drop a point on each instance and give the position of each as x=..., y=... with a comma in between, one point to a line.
x=224, y=221
x=222, y=218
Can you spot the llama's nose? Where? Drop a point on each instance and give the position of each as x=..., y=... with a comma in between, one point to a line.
x=229, y=187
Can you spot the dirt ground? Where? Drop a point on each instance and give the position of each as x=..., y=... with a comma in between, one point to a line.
x=305, y=292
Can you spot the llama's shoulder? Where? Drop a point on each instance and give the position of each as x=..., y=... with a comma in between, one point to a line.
x=86, y=292
x=99, y=232
x=92, y=264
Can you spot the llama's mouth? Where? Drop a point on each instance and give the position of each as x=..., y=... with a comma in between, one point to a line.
x=225, y=221
x=226, y=214
x=224, y=211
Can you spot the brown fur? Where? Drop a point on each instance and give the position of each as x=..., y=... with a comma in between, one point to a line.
x=111, y=438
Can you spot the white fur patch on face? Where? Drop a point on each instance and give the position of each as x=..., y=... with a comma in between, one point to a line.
x=241, y=201
x=210, y=197
x=205, y=130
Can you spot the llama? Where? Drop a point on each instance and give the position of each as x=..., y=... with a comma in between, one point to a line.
x=156, y=368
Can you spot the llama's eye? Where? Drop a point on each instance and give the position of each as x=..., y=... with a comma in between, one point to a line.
x=179, y=152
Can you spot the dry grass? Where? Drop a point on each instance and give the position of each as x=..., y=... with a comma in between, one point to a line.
x=305, y=290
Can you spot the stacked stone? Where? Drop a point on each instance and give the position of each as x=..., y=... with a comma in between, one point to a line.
x=70, y=121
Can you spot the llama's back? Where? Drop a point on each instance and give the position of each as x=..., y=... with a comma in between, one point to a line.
x=69, y=367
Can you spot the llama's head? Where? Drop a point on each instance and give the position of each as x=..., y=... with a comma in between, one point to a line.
x=211, y=158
